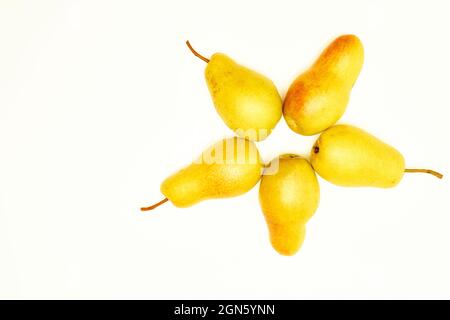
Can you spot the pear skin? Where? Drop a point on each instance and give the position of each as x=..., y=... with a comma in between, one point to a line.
x=287, y=239
x=318, y=98
x=248, y=102
x=229, y=168
x=288, y=200
x=348, y=156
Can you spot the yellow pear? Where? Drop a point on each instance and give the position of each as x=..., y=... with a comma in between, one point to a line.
x=229, y=168
x=288, y=199
x=318, y=97
x=348, y=156
x=248, y=102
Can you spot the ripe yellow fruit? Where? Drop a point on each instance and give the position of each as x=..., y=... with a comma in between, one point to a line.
x=248, y=102
x=288, y=200
x=318, y=97
x=229, y=168
x=348, y=156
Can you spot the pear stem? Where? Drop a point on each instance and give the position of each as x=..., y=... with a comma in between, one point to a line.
x=434, y=173
x=198, y=55
x=155, y=205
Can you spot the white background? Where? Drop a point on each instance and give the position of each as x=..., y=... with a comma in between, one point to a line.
x=101, y=100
